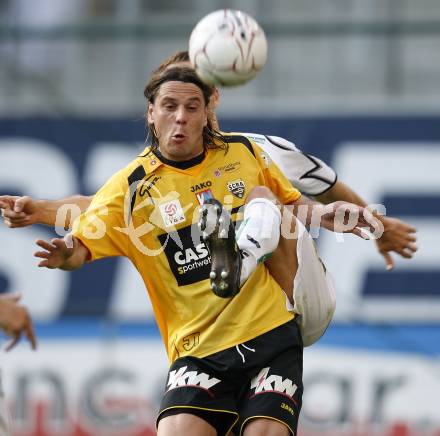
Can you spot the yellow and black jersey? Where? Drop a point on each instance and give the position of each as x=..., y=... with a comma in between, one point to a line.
x=149, y=211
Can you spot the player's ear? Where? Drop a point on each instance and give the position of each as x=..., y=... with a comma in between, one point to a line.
x=150, y=117
x=215, y=98
x=205, y=122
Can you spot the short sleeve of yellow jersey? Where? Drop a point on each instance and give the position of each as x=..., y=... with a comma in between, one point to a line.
x=103, y=227
x=274, y=178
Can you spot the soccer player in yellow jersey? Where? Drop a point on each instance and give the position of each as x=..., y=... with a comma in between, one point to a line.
x=235, y=362
x=313, y=296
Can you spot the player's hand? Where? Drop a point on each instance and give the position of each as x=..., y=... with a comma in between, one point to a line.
x=398, y=237
x=344, y=217
x=56, y=252
x=15, y=320
x=18, y=211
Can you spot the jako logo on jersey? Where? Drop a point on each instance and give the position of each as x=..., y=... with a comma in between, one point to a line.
x=203, y=196
x=172, y=213
x=237, y=188
x=272, y=383
x=203, y=185
x=181, y=377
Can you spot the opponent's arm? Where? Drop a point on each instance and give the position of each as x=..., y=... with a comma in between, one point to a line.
x=338, y=216
x=397, y=236
x=25, y=211
x=67, y=254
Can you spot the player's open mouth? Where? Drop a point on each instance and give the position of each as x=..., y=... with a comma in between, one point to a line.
x=178, y=137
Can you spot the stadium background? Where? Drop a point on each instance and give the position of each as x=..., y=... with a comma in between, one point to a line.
x=356, y=83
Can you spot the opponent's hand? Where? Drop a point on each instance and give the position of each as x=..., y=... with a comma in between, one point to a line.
x=56, y=252
x=344, y=217
x=398, y=237
x=15, y=320
x=18, y=211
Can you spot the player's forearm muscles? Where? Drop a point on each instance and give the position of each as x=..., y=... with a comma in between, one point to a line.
x=62, y=212
x=341, y=192
x=303, y=209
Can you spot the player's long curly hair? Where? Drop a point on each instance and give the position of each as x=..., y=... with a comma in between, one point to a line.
x=180, y=57
x=212, y=138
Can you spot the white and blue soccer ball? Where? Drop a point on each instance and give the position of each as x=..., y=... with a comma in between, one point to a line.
x=227, y=48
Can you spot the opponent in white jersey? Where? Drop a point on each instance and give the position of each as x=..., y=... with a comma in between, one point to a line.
x=310, y=175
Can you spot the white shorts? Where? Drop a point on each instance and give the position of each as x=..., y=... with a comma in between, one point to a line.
x=313, y=290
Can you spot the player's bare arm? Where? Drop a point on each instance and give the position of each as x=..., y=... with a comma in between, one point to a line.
x=338, y=216
x=398, y=236
x=25, y=211
x=67, y=253
x=15, y=320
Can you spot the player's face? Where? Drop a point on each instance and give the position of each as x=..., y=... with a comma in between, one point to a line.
x=213, y=101
x=179, y=115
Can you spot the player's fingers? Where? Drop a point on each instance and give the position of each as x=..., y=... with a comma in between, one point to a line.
x=411, y=247
x=13, y=342
x=16, y=225
x=6, y=202
x=9, y=213
x=389, y=262
x=42, y=254
x=20, y=203
x=410, y=238
x=30, y=333
x=46, y=263
x=360, y=231
x=405, y=253
x=44, y=244
x=59, y=243
x=410, y=229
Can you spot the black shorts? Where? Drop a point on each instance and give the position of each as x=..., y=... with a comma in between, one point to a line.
x=259, y=378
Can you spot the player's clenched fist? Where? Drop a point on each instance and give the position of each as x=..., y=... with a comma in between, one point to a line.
x=18, y=211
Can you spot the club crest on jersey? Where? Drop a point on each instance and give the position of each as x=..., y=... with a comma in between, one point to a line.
x=237, y=188
x=172, y=213
x=202, y=196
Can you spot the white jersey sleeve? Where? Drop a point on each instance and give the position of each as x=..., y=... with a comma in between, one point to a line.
x=307, y=173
